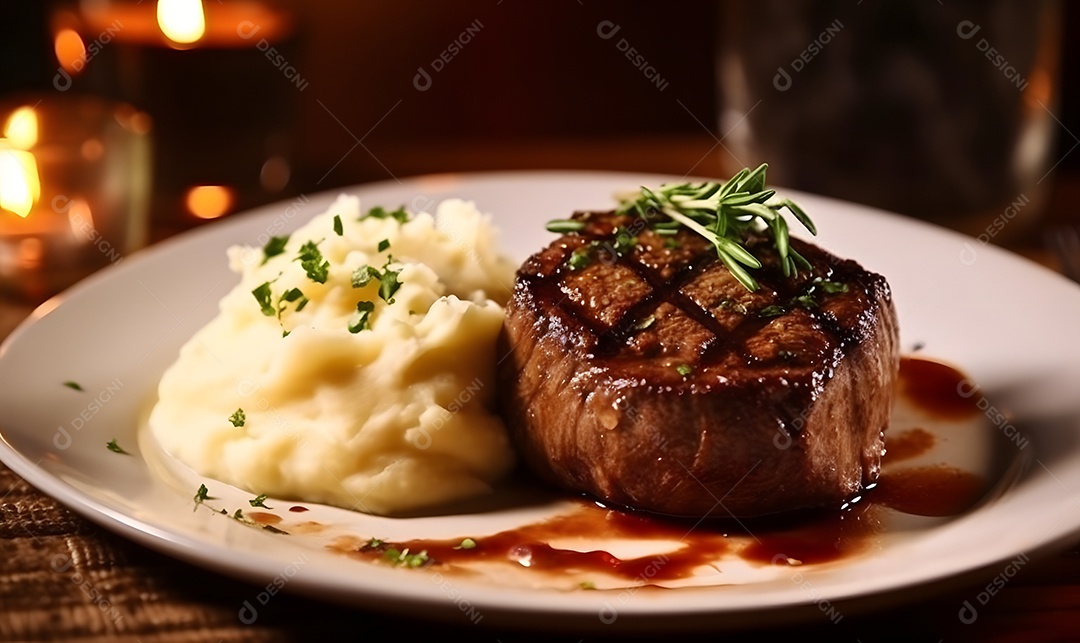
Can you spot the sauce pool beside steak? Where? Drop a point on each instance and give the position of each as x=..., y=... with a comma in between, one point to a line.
x=808, y=537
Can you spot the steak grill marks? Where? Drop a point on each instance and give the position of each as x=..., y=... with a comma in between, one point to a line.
x=598, y=398
x=611, y=340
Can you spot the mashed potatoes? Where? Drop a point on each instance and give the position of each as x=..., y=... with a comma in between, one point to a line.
x=354, y=366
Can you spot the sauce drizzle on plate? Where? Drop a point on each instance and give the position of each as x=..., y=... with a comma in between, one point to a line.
x=683, y=547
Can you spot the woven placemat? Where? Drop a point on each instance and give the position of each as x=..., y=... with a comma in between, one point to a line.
x=64, y=578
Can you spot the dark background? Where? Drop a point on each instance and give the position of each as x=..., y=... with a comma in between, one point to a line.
x=536, y=88
x=535, y=75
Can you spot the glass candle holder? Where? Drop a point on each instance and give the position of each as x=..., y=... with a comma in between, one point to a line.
x=74, y=189
x=939, y=111
x=219, y=79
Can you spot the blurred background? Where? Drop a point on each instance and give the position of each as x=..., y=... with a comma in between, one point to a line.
x=125, y=122
x=128, y=121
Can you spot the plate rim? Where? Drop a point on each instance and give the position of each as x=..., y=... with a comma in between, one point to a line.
x=184, y=548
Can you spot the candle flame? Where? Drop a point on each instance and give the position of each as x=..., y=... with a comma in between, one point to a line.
x=182, y=21
x=209, y=201
x=21, y=128
x=19, y=185
x=70, y=50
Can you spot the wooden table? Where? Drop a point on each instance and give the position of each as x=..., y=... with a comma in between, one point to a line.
x=64, y=578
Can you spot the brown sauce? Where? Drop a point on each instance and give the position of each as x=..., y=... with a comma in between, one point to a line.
x=937, y=491
x=263, y=518
x=907, y=444
x=298, y=509
x=810, y=538
x=833, y=535
x=938, y=388
x=308, y=527
x=816, y=537
x=529, y=546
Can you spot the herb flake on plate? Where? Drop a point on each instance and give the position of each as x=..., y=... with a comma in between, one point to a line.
x=111, y=445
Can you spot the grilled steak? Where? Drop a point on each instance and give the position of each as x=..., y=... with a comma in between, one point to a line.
x=639, y=371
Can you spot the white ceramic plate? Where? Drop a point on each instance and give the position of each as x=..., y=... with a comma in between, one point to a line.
x=1008, y=323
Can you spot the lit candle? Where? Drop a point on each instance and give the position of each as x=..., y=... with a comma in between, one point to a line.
x=186, y=24
x=73, y=186
x=220, y=80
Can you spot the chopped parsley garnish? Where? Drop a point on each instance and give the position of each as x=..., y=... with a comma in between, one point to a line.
x=388, y=279
x=405, y=559
x=290, y=296
x=389, y=284
x=239, y=517
x=238, y=418
x=262, y=295
x=624, y=241
x=362, y=275
x=808, y=299
x=259, y=501
x=202, y=495
x=467, y=543
x=580, y=258
x=361, y=319
x=831, y=287
x=398, y=557
x=338, y=228
x=73, y=386
x=274, y=247
x=384, y=244
x=115, y=448
x=684, y=369
x=731, y=304
x=311, y=260
x=379, y=212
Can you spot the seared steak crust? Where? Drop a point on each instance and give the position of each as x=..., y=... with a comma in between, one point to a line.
x=639, y=371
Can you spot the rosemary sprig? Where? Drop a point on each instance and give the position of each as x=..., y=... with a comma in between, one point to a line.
x=726, y=214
